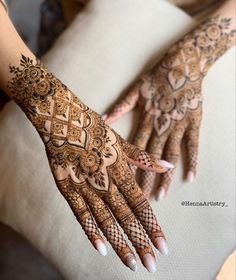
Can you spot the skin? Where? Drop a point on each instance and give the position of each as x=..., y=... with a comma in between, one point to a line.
x=89, y=161
x=170, y=98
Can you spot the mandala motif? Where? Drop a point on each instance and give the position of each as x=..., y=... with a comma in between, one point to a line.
x=173, y=87
x=66, y=125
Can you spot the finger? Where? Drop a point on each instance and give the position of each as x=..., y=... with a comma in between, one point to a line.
x=124, y=105
x=142, y=159
x=139, y=205
x=82, y=214
x=144, y=131
x=155, y=148
x=109, y=227
x=191, y=139
x=171, y=153
x=142, y=136
x=131, y=227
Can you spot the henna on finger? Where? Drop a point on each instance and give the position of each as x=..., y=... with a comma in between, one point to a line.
x=140, y=207
x=82, y=213
x=142, y=159
x=172, y=153
x=108, y=225
x=131, y=227
x=124, y=105
x=191, y=138
x=144, y=131
x=142, y=135
x=155, y=148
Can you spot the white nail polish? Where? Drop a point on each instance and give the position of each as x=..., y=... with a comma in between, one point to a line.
x=149, y=262
x=131, y=262
x=166, y=164
x=100, y=246
x=161, y=194
x=190, y=176
x=162, y=245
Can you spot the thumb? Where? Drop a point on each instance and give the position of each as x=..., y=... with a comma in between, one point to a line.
x=125, y=105
x=142, y=159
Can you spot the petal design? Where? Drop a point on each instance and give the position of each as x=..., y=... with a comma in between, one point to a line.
x=162, y=124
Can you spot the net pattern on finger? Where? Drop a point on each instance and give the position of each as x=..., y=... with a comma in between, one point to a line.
x=90, y=228
x=115, y=237
x=166, y=179
x=147, y=180
x=149, y=222
x=137, y=235
x=192, y=160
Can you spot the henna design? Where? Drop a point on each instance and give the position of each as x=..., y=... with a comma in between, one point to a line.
x=173, y=87
x=88, y=160
x=170, y=98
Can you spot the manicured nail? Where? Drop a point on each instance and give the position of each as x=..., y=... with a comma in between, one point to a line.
x=149, y=262
x=190, y=176
x=131, y=262
x=161, y=245
x=100, y=246
x=166, y=164
x=161, y=193
x=104, y=117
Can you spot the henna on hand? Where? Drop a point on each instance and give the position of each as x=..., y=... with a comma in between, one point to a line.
x=89, y=162
x=170, y=99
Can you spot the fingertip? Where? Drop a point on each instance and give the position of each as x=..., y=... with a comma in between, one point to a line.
x=190, y=176
x=149, y=262
x=109, y=119
x=160, y=194
x=101, y=247
x=131, y=262
x=161, y=245
x=165, y=164
x=104, y=117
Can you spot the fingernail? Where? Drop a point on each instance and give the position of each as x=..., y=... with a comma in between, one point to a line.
x=161, y=194
x=161, y=245
x=149, y=262
x=104, y=117
x=166, y=164
x=190, y=176
x=131, y=262
x=100, y=246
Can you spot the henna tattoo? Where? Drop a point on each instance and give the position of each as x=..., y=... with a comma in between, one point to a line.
x=173, y=87
x=170, y=98
x=172, y=93
x=88, y=161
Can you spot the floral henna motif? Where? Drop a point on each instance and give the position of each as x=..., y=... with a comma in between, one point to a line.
x=170, y=99
x=173, y=87
x=88, y=161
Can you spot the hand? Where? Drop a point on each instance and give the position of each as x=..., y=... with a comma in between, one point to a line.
x=170, y=99
x=89, y=162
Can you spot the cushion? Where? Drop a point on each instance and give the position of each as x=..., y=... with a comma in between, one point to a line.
x=98, y=57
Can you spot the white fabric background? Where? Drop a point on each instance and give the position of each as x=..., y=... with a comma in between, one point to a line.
x=103, y=51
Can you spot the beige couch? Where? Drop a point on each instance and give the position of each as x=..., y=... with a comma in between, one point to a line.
x=103, y=51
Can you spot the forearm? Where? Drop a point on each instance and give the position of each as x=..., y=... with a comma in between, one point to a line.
x=11, y=48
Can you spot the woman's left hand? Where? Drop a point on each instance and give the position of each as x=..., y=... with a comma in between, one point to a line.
x=170, y=99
